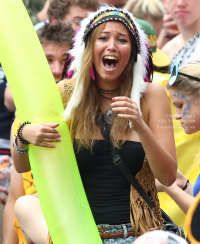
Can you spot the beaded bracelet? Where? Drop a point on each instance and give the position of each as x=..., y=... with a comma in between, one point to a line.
x=186, y=185
x=19, y=133
x=19, y=150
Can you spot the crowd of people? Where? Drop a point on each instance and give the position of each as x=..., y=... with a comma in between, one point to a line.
x=128, y=72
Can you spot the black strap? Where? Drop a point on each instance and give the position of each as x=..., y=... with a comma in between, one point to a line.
x=117, y=160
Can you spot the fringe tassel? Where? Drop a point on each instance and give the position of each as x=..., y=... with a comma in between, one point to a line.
x=49, y=240
x=144, y=219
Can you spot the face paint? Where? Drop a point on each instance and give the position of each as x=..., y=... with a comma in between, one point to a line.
x=97, y=43
x=186, y=111
x=127, y=46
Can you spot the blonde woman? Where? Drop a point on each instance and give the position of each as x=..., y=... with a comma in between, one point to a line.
x=184, y=90
x=108, y=106
x=151, y=11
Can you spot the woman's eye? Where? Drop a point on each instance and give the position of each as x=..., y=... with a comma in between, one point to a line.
x=179, y=106
x=122, y=40
x=103, y=38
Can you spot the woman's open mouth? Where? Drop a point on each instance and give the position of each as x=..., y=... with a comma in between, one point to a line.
x=110, y=62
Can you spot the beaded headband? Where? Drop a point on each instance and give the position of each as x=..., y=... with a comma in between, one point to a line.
x=113, y=15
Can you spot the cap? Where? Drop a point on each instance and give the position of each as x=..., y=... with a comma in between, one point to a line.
x=160, y=59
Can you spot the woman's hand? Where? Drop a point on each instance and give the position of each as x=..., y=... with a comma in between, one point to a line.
x=180, y=182
x=159, y=186
x=128, y=109
x=40, y=134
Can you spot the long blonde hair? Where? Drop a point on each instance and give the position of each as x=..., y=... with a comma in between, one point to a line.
x=83, y=123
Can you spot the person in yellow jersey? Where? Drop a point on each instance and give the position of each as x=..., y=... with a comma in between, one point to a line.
x=187, y=146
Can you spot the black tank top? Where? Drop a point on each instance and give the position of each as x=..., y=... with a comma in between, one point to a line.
x=107, y=189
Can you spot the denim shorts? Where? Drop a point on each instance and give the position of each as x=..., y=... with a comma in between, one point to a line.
x=117, y=228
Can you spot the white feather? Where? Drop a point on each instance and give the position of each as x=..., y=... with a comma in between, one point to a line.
x=139, y=86
x=78, y=89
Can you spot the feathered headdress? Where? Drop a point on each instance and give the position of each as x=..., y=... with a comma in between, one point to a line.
x=87, y=26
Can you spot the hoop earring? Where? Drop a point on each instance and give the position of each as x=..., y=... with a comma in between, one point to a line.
x=92, y=72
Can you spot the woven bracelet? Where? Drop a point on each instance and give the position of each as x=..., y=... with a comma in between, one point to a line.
x=186, y=185
x=19, y=133
x=19, y=150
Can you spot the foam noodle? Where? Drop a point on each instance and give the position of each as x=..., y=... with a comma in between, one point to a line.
x=37, y=99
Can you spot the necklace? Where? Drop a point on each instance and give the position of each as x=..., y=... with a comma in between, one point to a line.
x=109, y=98
x=103, y=92
x=105, y=121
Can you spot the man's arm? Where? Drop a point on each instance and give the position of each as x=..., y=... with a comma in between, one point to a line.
x=8, y=100
x=42, y=15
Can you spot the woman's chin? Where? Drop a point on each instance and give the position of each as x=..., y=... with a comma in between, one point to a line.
x=190, y=130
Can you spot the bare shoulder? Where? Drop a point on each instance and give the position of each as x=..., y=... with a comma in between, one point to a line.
x=157, y=106
x=155, y=95
x=154, y=89
x=66, y=88
x=173, y=46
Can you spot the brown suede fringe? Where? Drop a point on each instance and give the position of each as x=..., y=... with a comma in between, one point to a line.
x=49, y=241
x=143, y=218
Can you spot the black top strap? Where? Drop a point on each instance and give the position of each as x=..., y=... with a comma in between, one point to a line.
x=117, y=160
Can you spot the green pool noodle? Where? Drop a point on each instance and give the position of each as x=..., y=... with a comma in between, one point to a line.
x=37, y=99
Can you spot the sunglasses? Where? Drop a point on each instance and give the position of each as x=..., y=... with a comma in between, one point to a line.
x=174, y=74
